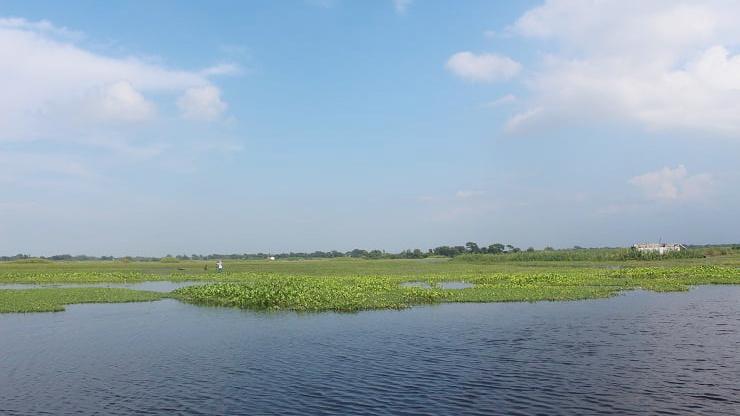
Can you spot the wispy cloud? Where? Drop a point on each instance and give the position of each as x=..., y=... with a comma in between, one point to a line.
x=524, y=118
x=465, y=194
x=402, y=6
x=498, y=102
x=201, y=103
x=672, y=184
x=40, y=26
x=321, y=3
x=21, y=167
x=484, y=67
x=221, y=69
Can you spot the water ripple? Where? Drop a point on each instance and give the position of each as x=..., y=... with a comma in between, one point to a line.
x=666, y=354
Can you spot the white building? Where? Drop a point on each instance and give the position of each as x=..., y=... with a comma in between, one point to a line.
x=660, y=248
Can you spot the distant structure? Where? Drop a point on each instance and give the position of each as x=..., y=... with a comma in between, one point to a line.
x=271, y=258
x=660, y=248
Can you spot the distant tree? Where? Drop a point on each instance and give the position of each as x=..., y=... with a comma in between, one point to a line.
x=530, y=249
x=548, y=248
x=496, y=248
x=448, y=251
x=357, y=253
x=440, y=251
x=472, y=247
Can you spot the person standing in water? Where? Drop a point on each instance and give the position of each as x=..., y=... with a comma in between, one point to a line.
x=220, y=266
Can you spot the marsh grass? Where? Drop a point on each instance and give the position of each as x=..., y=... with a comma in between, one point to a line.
x=591, y=254
x=126, y=272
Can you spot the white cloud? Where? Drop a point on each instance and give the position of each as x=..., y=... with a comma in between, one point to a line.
x=485, y=67
x=43, y=26
x=673, y=184
x=518, y=120
x=121, y=102
x=661, y=64
x=402, y=5
x=201, y=103
x=506, y=99
x=46, y=79
x=221, y=69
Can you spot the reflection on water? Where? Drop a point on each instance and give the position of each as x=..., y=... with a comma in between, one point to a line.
x=662, y=353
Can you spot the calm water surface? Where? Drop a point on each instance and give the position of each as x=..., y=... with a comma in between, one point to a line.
x=637, y=353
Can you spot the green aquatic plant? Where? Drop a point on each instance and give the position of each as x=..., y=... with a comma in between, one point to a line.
x=352, y=285
x=54, y=299
x=354, y=293
x=310, y=294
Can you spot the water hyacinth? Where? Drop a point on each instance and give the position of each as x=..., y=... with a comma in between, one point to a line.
x=310, y=294
x=345, y=286
x=353, y=293
x=54, y=300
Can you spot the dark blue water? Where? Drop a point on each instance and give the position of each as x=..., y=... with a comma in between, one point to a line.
x=635, y=354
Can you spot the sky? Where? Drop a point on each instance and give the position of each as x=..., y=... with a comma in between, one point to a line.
x=164, y=127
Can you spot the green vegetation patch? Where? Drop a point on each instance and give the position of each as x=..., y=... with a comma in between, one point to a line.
x=354, y=293
x=352, y=284
x=54, y=299
x=591, y=254
x=310, y=294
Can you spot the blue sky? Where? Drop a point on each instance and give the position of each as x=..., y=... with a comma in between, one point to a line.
x=146, y=128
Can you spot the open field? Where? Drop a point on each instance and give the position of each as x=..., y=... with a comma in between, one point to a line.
x=36, y=271
x=353, y=284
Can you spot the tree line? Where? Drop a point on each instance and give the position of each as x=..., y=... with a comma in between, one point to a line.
x=441, y=251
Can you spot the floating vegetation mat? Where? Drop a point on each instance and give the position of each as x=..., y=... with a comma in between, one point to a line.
x=54, y=300
x=354, y=293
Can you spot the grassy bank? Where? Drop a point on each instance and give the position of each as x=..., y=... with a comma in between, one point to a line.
x=461, y=267
x=54, y=299
x=592, y=255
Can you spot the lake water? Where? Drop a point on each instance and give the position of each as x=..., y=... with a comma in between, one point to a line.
x=637, y=353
